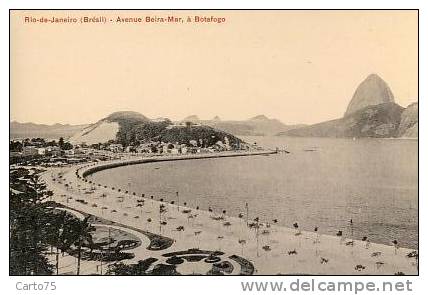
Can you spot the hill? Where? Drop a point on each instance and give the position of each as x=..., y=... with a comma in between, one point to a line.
x=382, y=120
x=130, y=128
x=257, y=126
x=371, y=112
x=409, y=124
x=372, y=91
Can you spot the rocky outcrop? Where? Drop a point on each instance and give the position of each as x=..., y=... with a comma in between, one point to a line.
x=381, y=121
x=372, y=91
x=371, y=113
x=409, y=121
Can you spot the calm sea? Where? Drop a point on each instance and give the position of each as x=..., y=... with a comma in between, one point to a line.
x=322, y=182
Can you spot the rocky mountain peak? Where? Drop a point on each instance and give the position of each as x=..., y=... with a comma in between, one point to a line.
x=372, y=91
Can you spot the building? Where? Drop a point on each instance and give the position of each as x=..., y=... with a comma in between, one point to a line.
x=69, y=152
x=29, y=150
x=53, y=151
x=115, y=147
x=41, y=151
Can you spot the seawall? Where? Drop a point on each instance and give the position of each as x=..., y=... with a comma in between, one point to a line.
x=88, y=170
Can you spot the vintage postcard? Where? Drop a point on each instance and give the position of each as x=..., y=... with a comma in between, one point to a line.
x=213, y=142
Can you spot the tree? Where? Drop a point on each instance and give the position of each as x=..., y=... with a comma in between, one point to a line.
x=138, y=269
x=84, y=230
x=15, y=146
x=29, y=224
x=67, y=146
x=62, y=232
x=61, y=142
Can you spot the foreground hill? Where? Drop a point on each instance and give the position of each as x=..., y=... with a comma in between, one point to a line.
x=256, y=126
x=130, y=128
x=32, y=130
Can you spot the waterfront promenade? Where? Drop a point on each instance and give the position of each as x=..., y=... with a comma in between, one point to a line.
x=272, y=249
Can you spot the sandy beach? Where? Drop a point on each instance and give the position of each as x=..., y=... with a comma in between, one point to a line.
x=272, y=249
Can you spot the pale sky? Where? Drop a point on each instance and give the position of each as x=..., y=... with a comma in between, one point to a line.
x=296, y=66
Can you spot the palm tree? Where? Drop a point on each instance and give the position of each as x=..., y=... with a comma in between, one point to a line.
x=242, y=242
x=197, y=233
x=365, y=239
x=395, y=243
x=84, y=230
x=340, y=235
x=296, y=227
x=267, y=248
x=162, y=210
x=227, y=224
x=256, y=225
x=141, y=207
x=317, y=240
x=219, y=238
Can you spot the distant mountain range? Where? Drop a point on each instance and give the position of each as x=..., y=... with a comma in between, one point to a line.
x=32, y=130
x=257, y=126
x=372, y=112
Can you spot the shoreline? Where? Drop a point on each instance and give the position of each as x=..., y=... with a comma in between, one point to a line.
x=275, y=242
x=118, y=163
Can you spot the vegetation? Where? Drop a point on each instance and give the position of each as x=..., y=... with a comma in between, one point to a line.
x=29, y=226
x=138, y=269
x=131, y=132
x=208, y=135
x=134, y=129
x=35, y=225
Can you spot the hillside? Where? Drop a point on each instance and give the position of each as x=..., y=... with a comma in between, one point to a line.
x=371, y=112
x=381, y=120
x=101, y=131
x=409, y=122
x=130, y=128
x=257, y=126
x=372, y=91
x=208, y=134
x=32, y=130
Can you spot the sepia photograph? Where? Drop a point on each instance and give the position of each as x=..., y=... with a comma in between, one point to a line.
x=214, y=142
